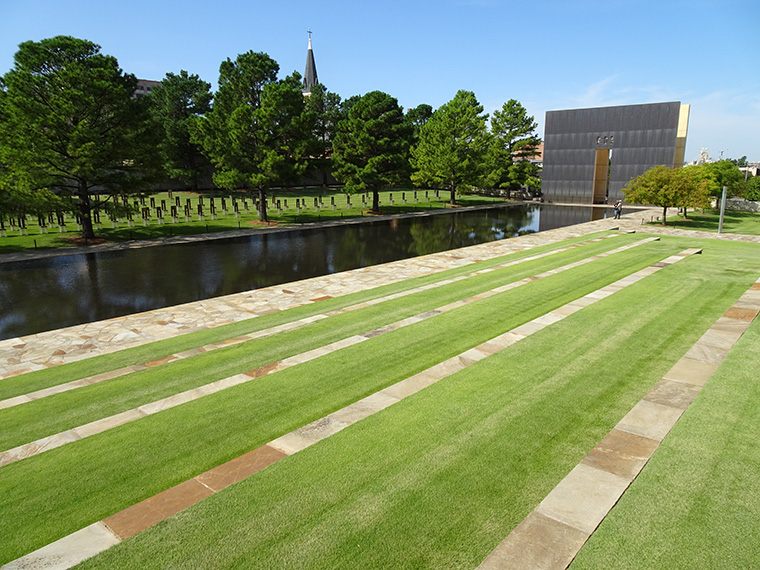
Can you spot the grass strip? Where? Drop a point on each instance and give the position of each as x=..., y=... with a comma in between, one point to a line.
x=39, y=379
x=734, y=222
x=439, y=479
x=95, y=477
x=54, y=414
x=695, y=504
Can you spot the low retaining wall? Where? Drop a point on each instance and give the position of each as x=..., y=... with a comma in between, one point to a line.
x=742, y=205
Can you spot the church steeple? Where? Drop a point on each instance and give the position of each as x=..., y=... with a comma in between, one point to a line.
x=310, y=75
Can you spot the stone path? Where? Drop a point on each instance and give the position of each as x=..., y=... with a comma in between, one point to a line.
x=551, y=536
x=100, y=536
x=101, y=425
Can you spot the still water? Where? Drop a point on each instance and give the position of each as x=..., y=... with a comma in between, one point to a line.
x=45, y=294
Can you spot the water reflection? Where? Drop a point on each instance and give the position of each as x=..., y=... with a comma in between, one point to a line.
x=45, y=294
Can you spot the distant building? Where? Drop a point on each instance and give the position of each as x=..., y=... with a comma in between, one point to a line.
x=145, y=86
x=310, y=75
x=590, y=154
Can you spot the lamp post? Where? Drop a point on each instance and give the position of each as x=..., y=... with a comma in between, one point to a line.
x=722, y=210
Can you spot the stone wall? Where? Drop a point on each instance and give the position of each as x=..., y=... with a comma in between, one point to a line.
x=742, y=205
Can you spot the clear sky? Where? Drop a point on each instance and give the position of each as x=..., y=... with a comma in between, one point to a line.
x=547, y=54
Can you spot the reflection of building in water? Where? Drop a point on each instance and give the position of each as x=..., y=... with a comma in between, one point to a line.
x=562, y=216
x=590, y=154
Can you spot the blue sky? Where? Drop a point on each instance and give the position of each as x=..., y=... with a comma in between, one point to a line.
x=547, y=54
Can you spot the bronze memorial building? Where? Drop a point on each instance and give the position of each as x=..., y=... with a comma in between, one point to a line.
x=590, y=154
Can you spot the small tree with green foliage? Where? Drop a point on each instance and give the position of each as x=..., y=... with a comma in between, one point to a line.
x=669, y=188
x=752, y=188
x=70, y=124
x=451, y=146
x=372, y=146
x=720, y=174
x=257, y=134
x=175, y=104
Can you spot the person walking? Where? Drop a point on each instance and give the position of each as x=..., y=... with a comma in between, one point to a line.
x=618, y=207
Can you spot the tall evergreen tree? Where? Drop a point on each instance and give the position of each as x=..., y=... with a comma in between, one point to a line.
x=325, y=110
x=372, y=146
x=451, y=145
x=71, y=124
x=175, y=104
x=513, y=140
x=257, y=134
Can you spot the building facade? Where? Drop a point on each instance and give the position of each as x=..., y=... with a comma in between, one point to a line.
x=590, y=154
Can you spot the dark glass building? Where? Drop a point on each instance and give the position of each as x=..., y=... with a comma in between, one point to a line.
x=590, y=154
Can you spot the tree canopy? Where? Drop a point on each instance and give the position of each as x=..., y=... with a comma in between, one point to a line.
x=451, y=145
x=372, y=146
x=257, y=134
x=70, y=124
x=722, y=173
x=668, y=187
x=175, y=104
x=418, y=116
x=513, y=139
x=324, y=108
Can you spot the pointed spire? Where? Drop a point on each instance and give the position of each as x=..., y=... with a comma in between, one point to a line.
x=310, y=75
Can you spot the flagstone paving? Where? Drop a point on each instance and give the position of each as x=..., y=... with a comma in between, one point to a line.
x=153, y=510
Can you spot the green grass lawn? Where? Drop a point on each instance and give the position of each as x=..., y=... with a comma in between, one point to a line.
x=435, y=481
x=696, y=503
x=100, y=475
x=50, y=415
x=439, y=479
x=225, y=222
x=734, y=222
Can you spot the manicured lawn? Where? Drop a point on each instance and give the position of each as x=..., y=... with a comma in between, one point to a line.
x=696, y=503
x=439, y=479
x=95, y=477
x=28, y=422
x=734, y=222
x=435, y=481
x=225, y=222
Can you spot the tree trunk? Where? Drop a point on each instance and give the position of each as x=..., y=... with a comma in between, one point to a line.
x=85, y=210
x=263, y=205
x=664, y=214
x=453, y=190
x=376, y=200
